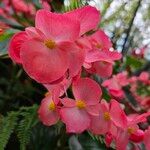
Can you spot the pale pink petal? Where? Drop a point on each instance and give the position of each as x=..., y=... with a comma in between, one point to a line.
x=87, y=90
x=15, y=45
x=118, y=116
x=43, y=64
x=88, y=17
x=57, y=26
x=47, y=116
x=76, y=120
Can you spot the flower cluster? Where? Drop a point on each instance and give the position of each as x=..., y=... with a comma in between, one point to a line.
x=139, y=86
x=56, y=52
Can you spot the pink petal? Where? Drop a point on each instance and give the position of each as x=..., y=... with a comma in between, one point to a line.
x=118, y=116
x=99, y=125
x=68, y=102
x=57, y=26
x=35, y=33
x=93, y=109
x=15, y=45
x=96, y=55
x=76, y=57
x=76, y=120
x=102, y=39
x=47, y=116
x=122, y=140
x=42, y=64
x=87, y=90
x=59, y=87
x=103, y=69
x=88, y=17
x=139, y=118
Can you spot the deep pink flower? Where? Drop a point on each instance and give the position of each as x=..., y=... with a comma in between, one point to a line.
x=108, y=116
x=49, y=110
x=76, y=113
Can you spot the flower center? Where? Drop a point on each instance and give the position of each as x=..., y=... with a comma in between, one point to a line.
x=131, y=130
x=52, y=106
x=106, y=116
x=50, y=44
x=80, y=104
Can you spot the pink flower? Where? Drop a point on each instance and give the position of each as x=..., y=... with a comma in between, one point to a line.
x=76, y=113
x=144, y=77
x=49, y=49
x=49, y=110
x=130, y=132
x=98, y=57
x=116, y=83
x=109, y=115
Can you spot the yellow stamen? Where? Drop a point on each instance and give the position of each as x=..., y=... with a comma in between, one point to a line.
x=131, y=130
x=106, y=116
x=80, y=104
x=52, y=106
x=50, y=44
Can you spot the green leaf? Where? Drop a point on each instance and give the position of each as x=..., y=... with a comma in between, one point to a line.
x=29, y=120
x=7, y=125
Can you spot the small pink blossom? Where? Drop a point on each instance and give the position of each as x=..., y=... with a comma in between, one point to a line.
x=49, y=110
x=109, y=115
x=76, y=113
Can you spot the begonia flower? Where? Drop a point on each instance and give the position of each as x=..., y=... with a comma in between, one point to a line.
x=109, y=115
x=76, y=113
x=130, y=132
x=49, y=110
x=50, y=50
